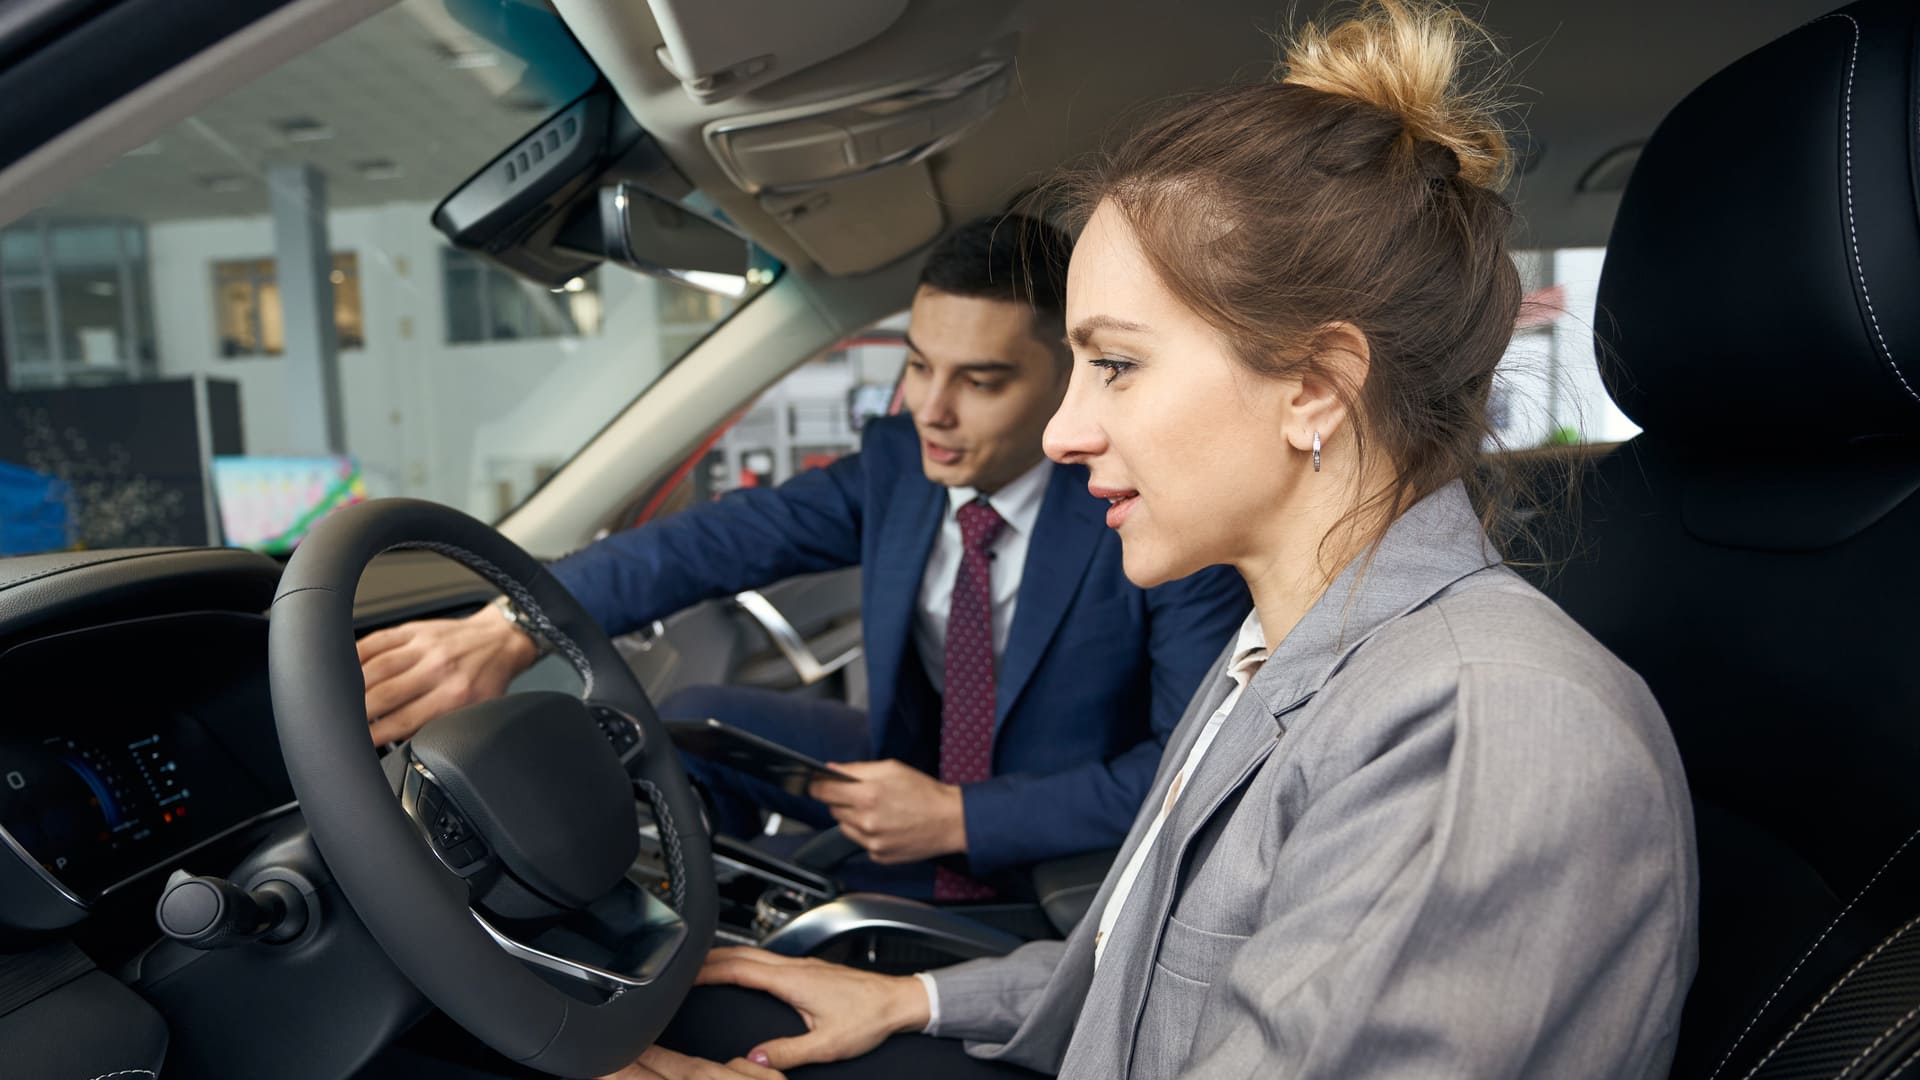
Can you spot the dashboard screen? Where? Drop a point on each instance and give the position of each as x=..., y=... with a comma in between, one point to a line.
x=104, y=784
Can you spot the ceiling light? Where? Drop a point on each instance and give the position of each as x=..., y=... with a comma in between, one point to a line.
x=338, y=277
x=467, y=61
x=302, y=129
x=224, y=184
x=723, y=284
x=379, y=169
x=575, y=285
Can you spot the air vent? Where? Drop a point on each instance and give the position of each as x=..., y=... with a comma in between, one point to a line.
x=522, y=159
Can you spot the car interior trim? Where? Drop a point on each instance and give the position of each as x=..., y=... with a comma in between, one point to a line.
x=780, y=630
x=173, y=96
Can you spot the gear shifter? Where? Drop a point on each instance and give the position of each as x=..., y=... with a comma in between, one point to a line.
x=214, y=913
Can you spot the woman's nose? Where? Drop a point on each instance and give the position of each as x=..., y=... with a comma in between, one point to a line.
x=1072, y=436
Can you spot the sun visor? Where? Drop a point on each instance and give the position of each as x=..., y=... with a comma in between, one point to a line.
x=864, y=223
x=721, y=48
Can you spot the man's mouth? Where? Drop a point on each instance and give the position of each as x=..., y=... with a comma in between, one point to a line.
x=940, y=455
x=1120, y=503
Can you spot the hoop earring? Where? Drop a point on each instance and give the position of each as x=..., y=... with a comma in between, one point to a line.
x=1316, y=451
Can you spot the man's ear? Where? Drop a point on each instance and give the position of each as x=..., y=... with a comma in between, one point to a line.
x=1340, y=360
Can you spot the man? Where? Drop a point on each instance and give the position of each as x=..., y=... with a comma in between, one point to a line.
x=1020, y=689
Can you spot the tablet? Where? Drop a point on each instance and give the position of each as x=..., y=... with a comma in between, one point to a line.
x=788, y=770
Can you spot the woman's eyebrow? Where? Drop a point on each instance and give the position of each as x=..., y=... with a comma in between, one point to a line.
x=1091, y=325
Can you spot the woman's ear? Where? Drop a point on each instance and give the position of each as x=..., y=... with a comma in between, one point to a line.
x=1341, y=357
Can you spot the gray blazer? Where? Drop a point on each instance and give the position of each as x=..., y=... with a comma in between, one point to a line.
x=1443, y=834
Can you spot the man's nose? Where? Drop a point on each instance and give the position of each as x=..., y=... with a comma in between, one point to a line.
x=937, y=410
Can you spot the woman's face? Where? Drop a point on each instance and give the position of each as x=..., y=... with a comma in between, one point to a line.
x=1189, y=447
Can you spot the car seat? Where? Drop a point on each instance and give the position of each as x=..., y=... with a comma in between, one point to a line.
x=1755, y=553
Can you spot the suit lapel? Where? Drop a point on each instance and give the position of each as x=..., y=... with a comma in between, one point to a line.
x=1247, y=737
x=893, y=589
x=1064, y=537
x=1436, y=543
x=1095, y=1006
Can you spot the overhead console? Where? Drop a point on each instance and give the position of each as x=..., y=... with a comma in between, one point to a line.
x=793, y=150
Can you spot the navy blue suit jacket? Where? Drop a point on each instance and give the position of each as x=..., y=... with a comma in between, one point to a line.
x=1096, y=671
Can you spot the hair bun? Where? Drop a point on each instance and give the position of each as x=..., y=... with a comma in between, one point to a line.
x=1413, y=58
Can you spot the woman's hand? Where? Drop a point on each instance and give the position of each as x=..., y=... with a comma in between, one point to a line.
x=662, y=1064
x=847, y=1012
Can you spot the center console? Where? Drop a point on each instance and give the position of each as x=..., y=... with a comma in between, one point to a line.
x=780, y=905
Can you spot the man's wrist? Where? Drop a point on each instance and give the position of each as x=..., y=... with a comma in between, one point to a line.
x=517, y=645
x=956, y=802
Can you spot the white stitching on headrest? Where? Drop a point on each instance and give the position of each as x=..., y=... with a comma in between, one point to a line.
x=1853, y=233
x=128, y=1072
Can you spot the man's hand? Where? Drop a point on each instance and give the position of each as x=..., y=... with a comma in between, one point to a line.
x=898, y=813
x=420, y=670
x=662, y=1064
x=847, y=1012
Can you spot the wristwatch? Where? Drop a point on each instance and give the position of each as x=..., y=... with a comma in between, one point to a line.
x=504, y=605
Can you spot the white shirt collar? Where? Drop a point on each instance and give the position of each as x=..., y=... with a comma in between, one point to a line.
x=1018, y=503
x=1249, y=650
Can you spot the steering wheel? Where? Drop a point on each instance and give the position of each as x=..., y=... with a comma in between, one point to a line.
x=494, y=825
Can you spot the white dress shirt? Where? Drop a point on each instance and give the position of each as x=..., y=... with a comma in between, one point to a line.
x=1249, y=652
x=1018, y=504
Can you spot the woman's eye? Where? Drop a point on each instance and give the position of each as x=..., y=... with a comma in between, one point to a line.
x=1113, y=368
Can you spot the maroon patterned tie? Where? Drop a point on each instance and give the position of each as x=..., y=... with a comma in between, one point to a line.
x=966, y=708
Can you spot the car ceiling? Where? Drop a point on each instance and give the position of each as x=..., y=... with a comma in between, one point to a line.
x=1593, y=77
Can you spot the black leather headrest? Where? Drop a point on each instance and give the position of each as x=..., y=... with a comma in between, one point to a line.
x=1763, y=278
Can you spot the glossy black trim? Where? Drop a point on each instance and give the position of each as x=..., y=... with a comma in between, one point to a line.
x=64, y=67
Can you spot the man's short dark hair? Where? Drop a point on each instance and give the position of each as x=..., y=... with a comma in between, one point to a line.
x=1010, y=257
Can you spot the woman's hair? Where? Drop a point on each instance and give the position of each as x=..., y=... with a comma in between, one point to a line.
x=1360, y=185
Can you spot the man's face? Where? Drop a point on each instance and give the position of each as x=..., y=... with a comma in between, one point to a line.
x=981, y=385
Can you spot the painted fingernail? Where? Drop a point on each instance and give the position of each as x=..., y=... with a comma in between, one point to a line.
x=759, y=1057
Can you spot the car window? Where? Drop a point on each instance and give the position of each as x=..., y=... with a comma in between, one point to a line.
x=809, y=419
x=1548, y=391
x=152, y=316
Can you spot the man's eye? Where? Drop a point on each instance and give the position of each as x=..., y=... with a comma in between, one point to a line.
x=1113, y=368
x=988, y=385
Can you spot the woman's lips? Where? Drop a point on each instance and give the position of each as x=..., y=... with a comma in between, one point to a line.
x=940, y=455
x=1119, y=503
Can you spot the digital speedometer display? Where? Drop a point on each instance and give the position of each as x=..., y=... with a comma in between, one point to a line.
x=93, y=811
x=129, y=777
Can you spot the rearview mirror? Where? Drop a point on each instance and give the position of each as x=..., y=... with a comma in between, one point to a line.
x=645, y=232
x=587, y=186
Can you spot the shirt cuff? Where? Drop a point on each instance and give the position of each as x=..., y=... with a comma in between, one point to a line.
x=933, y=1003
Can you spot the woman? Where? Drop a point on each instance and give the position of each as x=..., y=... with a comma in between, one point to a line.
x=1417, y=823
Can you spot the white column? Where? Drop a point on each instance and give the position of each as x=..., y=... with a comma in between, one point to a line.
x=304, y=267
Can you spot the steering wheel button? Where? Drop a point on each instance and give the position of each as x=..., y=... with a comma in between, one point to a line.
x=466, y=854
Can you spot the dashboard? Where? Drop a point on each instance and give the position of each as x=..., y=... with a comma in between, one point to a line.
x=136, y=723
x=137, y=737
x=153, y=737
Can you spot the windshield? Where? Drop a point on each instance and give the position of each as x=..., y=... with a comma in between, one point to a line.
x=251, y=319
